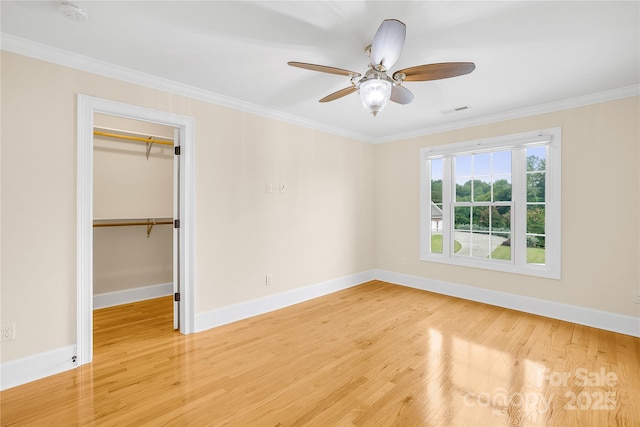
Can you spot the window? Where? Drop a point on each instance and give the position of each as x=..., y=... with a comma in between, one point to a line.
x=493, y=203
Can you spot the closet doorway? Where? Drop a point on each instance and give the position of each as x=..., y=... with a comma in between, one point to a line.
x=135, y=206
x=100, y=115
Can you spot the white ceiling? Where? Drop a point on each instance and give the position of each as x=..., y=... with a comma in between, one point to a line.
x=526, y=53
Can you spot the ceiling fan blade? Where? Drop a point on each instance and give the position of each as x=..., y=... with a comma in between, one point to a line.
x=434, y=71
x=339, y=94
x=324, y=69
x=401, y=95
x=388, y=43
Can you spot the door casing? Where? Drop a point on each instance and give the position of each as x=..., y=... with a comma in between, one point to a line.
x=185, y=127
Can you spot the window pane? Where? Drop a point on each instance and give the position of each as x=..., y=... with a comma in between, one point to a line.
x=501, y=245
x=482, y=189
x=463, y=190
x=536, y=252
x=436, y=218
x=501, y=220
x=462, y=166
x=501, y=163
x=481, y=245
x=502, y=188
x=535, y=219
x=436, y=191
x=462, y=243
x=436, y=169
x=482, y=164
x=536, y=159
x=535, y=186
x=436, y=181
x=436, y=206
x=501, y=232
x=480, y=218
x=462, y=217
x=436, y=242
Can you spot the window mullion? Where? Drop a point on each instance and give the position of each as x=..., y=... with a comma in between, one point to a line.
x=519, y=199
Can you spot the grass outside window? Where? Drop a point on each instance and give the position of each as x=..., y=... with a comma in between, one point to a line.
x=436, y=244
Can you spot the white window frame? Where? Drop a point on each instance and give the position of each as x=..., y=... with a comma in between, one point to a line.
x=551, y=138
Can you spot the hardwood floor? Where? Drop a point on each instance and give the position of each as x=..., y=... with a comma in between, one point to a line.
x=376, y=354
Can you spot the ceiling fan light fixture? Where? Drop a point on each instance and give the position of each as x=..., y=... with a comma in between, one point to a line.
x=375, y=93
x=377, y=87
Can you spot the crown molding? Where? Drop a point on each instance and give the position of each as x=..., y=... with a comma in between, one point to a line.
x=65, y=58
x=54, y=55
x=564, y=104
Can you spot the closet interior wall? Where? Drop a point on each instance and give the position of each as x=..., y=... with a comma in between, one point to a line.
x=129, y=188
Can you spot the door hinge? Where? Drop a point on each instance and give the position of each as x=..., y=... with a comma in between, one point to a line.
x=176, y=296
x=176, y=150
x=176, y=223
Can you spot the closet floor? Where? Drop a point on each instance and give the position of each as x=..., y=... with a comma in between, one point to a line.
x=130, y=325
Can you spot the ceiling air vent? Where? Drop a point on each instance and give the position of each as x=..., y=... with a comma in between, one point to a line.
x=456, y=110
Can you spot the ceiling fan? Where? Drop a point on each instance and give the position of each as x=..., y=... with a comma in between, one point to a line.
x=376, y=88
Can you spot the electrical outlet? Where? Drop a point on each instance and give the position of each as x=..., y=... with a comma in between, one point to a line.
x=636, y=296
x=268, y=279
x=8, y=332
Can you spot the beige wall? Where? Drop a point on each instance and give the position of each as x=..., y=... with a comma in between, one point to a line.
x=126, y=186
x=125, y=183
x=321, y=228
x=125, y=258
x=600, y=208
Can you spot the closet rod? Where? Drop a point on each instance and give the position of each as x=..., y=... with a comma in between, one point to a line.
x=133, y=138
x=125, y=224
x=149, y=224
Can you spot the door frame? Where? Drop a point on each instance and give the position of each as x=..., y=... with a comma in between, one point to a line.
x=87, y=107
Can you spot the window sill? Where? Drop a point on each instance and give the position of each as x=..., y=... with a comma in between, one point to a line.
x=535, y=270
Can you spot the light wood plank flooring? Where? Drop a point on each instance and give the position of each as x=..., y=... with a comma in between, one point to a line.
x=375, y=354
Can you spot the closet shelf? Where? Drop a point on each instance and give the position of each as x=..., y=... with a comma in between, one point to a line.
x=149, y=140
x=149, y=223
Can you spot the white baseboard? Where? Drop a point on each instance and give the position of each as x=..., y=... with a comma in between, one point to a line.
x=126, y=296
x=26, y=369
x=37, y=366
x=31, y=368
x=233, y=313
x=627, y=325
